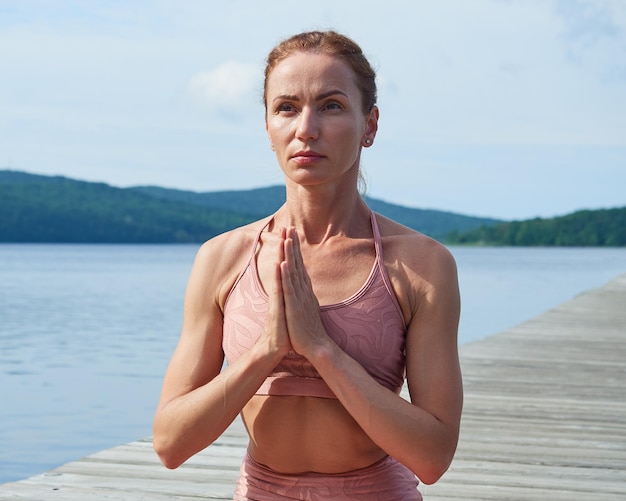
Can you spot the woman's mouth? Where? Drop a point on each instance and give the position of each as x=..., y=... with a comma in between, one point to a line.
x=306, y=157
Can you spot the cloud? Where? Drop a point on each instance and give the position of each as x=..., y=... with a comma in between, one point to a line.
x=229, y=89
x=124, y=91
x=595, y=35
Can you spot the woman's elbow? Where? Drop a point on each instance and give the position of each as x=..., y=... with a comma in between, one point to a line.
x=167, y=452
x=167, y=444
x=432, y=473
x=433, y=468
x=175, y=447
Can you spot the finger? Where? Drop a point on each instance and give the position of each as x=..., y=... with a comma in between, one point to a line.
x=278, y=287
x=293, y=234
x=277, y=321
x=294, y=253
x=288, y=290
x=281, y=246
x=276, y=306
x=289, y=255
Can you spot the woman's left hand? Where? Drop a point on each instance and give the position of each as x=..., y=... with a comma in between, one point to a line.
x=304, y=325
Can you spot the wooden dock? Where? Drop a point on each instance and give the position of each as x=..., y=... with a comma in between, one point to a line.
x=544, y=419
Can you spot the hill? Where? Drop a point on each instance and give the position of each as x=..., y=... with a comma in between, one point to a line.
x=61, y=210
x=35, y=208
x=263, y=201
x=602, y=228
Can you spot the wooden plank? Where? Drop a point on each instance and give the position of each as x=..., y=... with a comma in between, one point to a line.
x=545, y=406
x=543, y=420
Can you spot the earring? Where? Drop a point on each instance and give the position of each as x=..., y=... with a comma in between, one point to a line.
x=368, y=141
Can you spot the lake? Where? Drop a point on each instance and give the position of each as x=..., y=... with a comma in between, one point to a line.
x=86, y=332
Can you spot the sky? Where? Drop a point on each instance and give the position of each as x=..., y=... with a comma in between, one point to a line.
x=512, y=109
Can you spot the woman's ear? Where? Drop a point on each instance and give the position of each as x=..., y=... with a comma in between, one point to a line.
x=371, y=128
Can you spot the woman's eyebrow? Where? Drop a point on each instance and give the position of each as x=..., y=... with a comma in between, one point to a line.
x=329, y=93
x=319, y=97
x=286, y=97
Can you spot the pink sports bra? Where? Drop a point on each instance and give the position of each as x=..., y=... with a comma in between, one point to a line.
x=369, y=326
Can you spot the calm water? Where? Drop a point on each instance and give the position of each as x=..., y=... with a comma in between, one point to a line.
x=86, y=332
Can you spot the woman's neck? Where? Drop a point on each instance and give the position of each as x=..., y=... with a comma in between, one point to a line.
x=321, y=212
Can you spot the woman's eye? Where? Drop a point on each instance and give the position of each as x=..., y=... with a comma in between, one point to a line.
x=285, y=108
x=332, y=106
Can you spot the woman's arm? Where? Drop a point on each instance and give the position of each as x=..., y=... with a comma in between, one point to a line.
x=197, y=401
x=421, y=434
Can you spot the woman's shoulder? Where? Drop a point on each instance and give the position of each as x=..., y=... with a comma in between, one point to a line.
x=230, y=244
x=220, y=260
x=403, y=240
x=415, y=257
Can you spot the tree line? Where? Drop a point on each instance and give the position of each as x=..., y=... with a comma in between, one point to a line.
x=35, y=208
x=584, y=228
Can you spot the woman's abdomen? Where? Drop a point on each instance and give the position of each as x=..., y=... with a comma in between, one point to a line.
x=295, y=434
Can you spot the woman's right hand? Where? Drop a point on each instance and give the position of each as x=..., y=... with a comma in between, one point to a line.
x=276, y=334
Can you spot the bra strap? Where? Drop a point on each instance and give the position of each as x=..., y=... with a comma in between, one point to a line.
x=378, y=243
x=258, y=236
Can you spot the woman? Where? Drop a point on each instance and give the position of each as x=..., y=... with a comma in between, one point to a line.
x=318, y=386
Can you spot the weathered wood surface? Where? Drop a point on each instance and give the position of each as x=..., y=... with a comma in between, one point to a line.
x=545, y=407
x=544, y=419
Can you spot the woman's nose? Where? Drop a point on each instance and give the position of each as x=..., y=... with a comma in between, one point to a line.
x=308, y=126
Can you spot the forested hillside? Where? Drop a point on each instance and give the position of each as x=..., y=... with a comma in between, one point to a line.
x=263, y=201
x=603, y=227
x=36, y=208
x=57, y=209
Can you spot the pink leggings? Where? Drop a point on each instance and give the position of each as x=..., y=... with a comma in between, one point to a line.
x=383, y=481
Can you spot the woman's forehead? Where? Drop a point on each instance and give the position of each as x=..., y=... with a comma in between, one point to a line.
x=314, y=72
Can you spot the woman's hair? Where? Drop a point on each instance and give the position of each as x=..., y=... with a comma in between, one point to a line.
x=333, y=44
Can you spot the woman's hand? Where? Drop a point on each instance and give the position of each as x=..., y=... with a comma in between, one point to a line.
x=276, y=333
x=301, y=308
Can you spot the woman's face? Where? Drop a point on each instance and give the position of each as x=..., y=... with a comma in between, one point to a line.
x=315, y=120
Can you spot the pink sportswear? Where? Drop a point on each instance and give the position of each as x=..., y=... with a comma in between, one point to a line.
x=368, y=326
x=385, y=480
